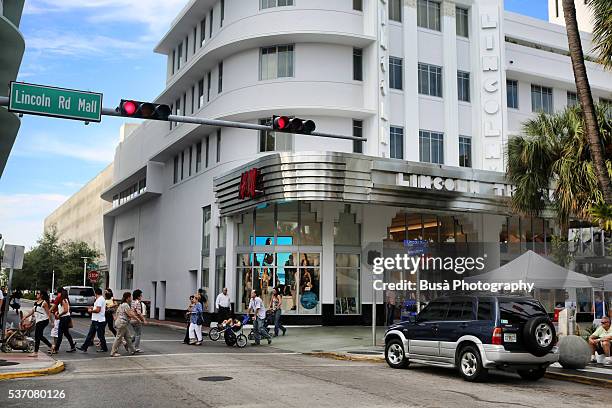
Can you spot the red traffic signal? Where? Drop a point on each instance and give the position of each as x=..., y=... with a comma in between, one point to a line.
x=293, y=125
x=143, y=110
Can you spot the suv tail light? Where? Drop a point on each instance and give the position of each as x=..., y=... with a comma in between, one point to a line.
x=497, y=338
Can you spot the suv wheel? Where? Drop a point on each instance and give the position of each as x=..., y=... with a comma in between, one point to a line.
x=395, y=354
x=539, y=336
x=470, y=364
x=532, y=375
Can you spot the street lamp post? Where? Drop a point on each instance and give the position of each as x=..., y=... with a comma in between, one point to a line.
x=85, y=258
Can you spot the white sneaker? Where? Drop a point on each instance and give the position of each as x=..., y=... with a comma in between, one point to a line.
x=593, y=358
x=608, y=361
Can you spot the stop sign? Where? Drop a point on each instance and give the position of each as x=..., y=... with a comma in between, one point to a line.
x=93, y=276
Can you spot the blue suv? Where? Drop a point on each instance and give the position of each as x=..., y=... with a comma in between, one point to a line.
x=474, y=333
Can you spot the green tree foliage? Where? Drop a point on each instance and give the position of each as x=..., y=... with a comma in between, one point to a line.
x=48, y=255
x=602, y=30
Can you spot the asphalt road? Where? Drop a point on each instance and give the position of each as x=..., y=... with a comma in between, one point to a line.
x=171, y=374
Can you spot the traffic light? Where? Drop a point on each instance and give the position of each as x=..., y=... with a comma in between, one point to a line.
x=143, y=110
x=293, y=125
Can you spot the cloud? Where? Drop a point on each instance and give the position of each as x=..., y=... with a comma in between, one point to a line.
x=43, y=144
x=82, y=45
x=22, y=216
x=156, y=15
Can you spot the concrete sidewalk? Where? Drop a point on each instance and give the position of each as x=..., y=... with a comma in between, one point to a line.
x=18, y=364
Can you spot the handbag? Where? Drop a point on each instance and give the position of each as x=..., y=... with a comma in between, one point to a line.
x=70, y=324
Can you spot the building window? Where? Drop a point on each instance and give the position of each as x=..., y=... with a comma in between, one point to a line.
x=182, y=165
x=572, y=98
x=396, y=73
x=541, y=99
x=220, y=82
x=431, y=147
x=202, y=32
x=463, y=86
x=200, y=93
x=396, y=142
x=195, y=39
x=430, y=80
x=357, y=64
x=276, y=62
x=180, y=56
x=206, y=213
x=428, y=14
x=358, y=5
x=465, y=151
x=512, y=93
x=190, y=159
x=176, y=169
x=270, y=141
x=210, y=23
x=218, y=145
x=173, y=61
x=461, y=18
x=208, y=85
x=186, y=47
x=127, y=266
x=358, y=132
x=395, y=10
x=198, y=157
x=193, y=103
x=347, y=284
x=265, y=4
x=207, y=149
x=222, y=13
x=177, y=105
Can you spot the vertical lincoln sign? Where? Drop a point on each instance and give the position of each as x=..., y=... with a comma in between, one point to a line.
x=249, y=184
x=491, y=92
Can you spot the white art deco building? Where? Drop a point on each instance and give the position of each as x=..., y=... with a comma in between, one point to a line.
x=436, y=87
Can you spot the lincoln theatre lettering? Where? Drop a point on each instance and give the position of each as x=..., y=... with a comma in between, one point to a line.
x=250, y=184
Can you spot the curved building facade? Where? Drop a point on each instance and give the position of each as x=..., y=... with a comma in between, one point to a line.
x=11, y=53
x=436, y=88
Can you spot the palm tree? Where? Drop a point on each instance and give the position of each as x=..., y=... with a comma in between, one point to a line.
x=586, y=100
x=602, y=31
x=554, y=152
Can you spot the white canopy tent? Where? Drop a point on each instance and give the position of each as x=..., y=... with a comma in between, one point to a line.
x=533, y=268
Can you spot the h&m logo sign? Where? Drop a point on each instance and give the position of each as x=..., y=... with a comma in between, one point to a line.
x=250, y=184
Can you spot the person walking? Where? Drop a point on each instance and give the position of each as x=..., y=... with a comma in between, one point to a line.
x=40, y=311
x=256, y=307
x=1, y=305
x=122, y=324
x=188, y=318
x=137, y=323
x=223, y=304
x=109, y=313
x=98, y=323
x=276, y=305
x=63, y=313
x=195, y=325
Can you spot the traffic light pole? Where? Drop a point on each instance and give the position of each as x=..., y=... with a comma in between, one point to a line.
x=231, y=124
x=4, y=101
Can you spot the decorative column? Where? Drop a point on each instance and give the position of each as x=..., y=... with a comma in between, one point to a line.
x=383, y=78
x=449, y=92
x=411, y=83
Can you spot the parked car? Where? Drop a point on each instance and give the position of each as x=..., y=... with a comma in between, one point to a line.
x=80, y=298
x=474, y=333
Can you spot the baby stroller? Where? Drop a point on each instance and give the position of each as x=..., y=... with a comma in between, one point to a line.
x=234, y=336
x=19, y=339
x=267, y=321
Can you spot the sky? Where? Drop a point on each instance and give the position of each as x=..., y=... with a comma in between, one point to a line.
x=97, y=45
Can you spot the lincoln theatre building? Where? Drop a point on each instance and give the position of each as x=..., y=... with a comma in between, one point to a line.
x=435, y=87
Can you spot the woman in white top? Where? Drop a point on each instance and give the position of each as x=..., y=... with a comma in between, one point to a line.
x=41, y=317
x=63, y=313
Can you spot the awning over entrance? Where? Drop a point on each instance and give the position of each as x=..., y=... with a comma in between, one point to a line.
x=355, y=178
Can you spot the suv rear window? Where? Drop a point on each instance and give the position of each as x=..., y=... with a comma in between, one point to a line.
x=85, y=292
x=485, y=310
x=519, y=311
x=460, y=310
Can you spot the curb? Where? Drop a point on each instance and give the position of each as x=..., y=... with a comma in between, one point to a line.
x=170, y=326
x=346, y=357
x=58, y=367
x=380, y=359
x=579, y=379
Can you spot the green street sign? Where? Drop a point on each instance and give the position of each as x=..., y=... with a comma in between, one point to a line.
x=57, y=102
